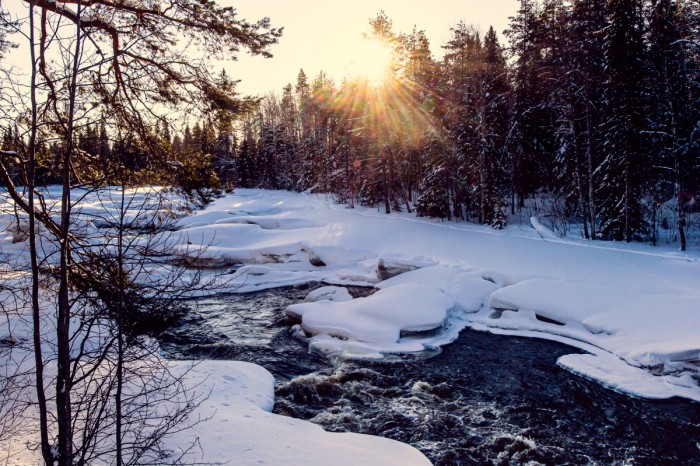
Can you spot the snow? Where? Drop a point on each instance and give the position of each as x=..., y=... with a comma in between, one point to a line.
x=379, y=318
x=241, y=430
x=329, y=293
x=633, y=310
x=543, y=231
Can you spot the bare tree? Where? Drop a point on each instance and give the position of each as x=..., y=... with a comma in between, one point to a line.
x=136, y=62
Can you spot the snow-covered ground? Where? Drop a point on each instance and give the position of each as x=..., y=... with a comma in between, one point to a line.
x=237, y=425
x=633, y=309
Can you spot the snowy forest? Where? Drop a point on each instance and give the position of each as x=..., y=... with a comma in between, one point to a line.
x=147, y=205
x=594, y=104
x=593, y=109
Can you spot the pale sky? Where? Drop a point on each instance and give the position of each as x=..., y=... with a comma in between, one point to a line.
x=326, y=34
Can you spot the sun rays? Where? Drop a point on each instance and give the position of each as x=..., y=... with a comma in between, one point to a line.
x=371, y=61
x=388, y=108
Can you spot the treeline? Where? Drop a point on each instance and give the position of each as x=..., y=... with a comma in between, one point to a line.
x=200, y=163
x=595, y=106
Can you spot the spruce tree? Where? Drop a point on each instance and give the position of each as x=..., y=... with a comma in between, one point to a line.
x=673, y=104
x=625, y=164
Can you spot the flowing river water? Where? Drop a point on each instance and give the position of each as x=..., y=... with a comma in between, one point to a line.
x=484, y=399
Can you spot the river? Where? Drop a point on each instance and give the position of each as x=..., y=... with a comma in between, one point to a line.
x=484, y=399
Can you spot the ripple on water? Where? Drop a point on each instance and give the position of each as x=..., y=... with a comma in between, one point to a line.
x=485, y=399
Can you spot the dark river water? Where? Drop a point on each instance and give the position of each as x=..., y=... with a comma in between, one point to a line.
x=485, y=399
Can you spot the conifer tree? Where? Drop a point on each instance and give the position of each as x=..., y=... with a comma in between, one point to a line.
x=494, y=124
x=625, y=163
x=673, y=103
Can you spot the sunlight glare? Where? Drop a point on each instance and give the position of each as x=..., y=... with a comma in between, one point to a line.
x=371, y=60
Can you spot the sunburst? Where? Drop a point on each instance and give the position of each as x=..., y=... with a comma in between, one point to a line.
x=371, y=61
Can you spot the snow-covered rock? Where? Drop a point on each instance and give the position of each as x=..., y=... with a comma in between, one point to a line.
x=336, y=294
x=379, y=318
x=388, y=267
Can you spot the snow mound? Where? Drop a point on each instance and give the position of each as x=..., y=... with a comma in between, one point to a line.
x=378, y=319
x=468, y=290
x=391, y=266
x=271, y=223
x=325, y=293
x=329, y=293
x=543, y=231
x=222, y=245
x=202, y=219
x=240, y=426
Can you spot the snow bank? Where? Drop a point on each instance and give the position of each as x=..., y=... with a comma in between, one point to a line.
x=634, y=308
x=240, y=429
x=645, y=329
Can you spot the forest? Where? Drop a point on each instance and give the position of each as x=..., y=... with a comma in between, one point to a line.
x=593, y=108
x=594, y=105
x=589, y=117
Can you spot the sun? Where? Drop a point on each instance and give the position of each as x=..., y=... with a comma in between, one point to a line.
x=371, y=60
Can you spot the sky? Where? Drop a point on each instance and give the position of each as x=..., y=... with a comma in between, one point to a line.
x=327, y=34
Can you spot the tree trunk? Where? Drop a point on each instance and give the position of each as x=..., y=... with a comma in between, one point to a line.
x=63, y=376
x=589, y=162
x=46, y=452
x=120, y=327
x=579, y=184
x=387, y=207
x=678, y=180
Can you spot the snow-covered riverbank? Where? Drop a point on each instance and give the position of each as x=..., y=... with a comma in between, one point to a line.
x=634, y=309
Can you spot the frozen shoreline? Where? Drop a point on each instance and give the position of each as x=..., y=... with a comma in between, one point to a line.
x=635, y=310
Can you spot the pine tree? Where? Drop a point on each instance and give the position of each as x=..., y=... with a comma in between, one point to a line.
x=246, y=162
x=674, y=108
x=532, y=139
x=494, y=124
x=625, y=164
x=433, y=196
x=581, y=106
